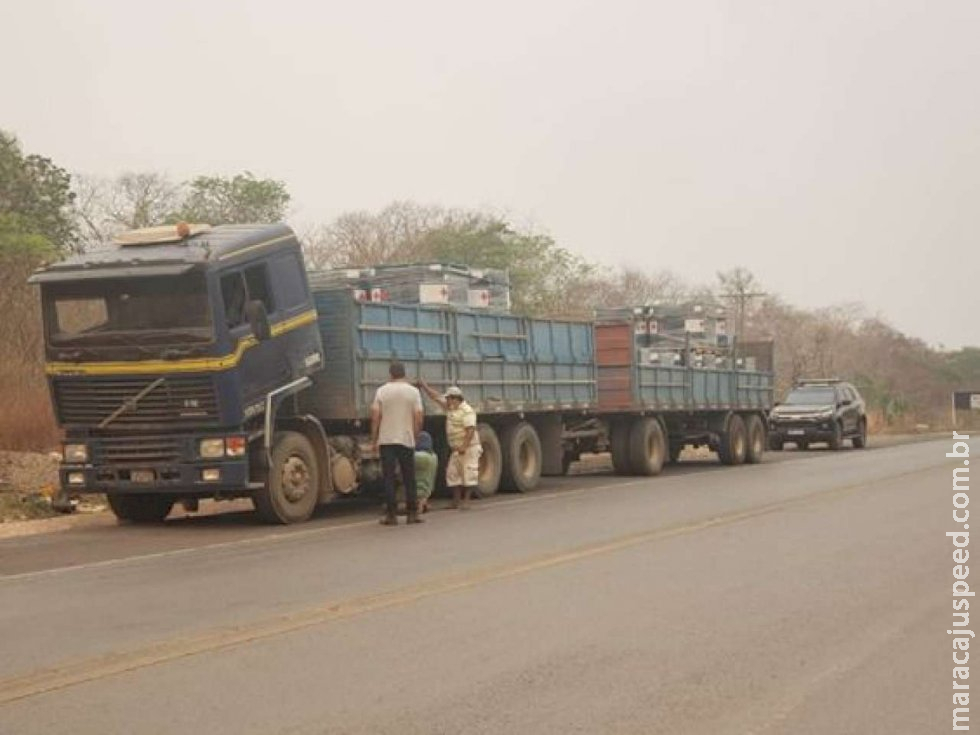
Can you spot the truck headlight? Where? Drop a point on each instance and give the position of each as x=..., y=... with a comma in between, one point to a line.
x=75, y=453
x=211, y=448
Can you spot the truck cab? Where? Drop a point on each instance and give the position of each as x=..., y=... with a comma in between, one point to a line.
x=167, y=353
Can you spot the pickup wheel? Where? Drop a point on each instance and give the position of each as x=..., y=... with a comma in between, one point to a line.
x=648, y=447
x=291, y=488
x=775, y=443
x=674, y=453
x=491, y=461
x=837, y=439
x=860, y=440
x=733, y=442
x=140, y=508
x=619, y=447
x=522, y=458
x=756, y=432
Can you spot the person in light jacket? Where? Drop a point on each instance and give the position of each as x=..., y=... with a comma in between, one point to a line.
x=463, y=467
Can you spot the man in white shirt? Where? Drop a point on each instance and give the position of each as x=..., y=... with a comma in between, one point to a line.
x=396, y=419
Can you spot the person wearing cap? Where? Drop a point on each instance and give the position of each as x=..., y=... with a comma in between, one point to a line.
x=463, y=467
x=426, y=465
x=396, y=419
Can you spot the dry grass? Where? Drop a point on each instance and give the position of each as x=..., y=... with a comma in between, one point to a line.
x=26, y=420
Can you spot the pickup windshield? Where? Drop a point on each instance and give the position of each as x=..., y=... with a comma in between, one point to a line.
x=810, y=397
x=119, y=311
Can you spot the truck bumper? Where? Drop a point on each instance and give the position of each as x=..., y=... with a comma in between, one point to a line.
x=178, y=478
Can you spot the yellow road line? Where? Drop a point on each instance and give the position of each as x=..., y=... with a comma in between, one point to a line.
x=92, y=669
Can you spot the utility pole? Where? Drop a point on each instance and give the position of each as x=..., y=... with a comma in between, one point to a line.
x=739, y=285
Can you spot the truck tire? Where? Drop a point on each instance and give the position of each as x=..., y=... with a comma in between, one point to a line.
x=756, y=434
x=140, y=508
x=648, y=447
x=837, y=439
x=491, y=461
x=732, y=449
x=619, y=447
x=860, y=440
x=522, y=458
x=290, y=491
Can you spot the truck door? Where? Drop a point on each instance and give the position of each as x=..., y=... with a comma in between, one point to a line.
x=262, y=367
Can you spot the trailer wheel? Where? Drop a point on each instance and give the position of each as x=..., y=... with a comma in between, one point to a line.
x=290, y=491
x=647, y=447
x=733, y=442
x=140, y=508
x=619, y=447
x=491, y=461
x=522, y=458
x=757, y=439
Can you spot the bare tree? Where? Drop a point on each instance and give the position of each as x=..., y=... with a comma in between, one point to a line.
x=104, y=207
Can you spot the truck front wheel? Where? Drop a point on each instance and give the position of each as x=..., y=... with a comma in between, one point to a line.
x=290, y=491
x=140, y=508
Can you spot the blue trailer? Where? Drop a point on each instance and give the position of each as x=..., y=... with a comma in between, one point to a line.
x=201, y=362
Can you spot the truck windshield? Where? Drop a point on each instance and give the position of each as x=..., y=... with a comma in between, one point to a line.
x=119, y=311
x=810, y=397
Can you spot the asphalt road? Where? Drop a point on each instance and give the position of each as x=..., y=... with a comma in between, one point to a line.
x=808, y=594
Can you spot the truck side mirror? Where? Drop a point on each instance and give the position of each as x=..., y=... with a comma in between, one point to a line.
x=258, y=318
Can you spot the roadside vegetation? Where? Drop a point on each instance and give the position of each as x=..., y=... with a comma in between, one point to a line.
x=47, y=213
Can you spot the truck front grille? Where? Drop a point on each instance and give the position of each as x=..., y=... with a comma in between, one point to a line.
x=178, y=400
x=139, y=450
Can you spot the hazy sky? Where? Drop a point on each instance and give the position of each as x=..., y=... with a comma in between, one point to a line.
x=830, y=146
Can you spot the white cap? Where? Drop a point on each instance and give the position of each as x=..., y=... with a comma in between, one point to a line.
x=453, y=392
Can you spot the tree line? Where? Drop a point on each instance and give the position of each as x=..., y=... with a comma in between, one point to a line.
x=47, y=213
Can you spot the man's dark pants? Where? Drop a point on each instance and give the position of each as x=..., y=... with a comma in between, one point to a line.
x=404, y=457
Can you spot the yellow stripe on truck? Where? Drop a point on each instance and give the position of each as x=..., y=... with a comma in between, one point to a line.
x=190, y=365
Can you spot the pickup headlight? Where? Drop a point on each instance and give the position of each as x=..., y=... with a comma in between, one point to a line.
x=211, y=448
x=75, y=453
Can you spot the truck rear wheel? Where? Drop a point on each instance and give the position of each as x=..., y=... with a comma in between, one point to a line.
x=647, y=447
x=140, y=508
x=733, y=442
x=491, y=461
x=756, y=433
x=522, y=458
x=619, y=447
x=291, y=488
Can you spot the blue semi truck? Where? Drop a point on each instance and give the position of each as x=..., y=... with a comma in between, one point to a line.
x=192, y=362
